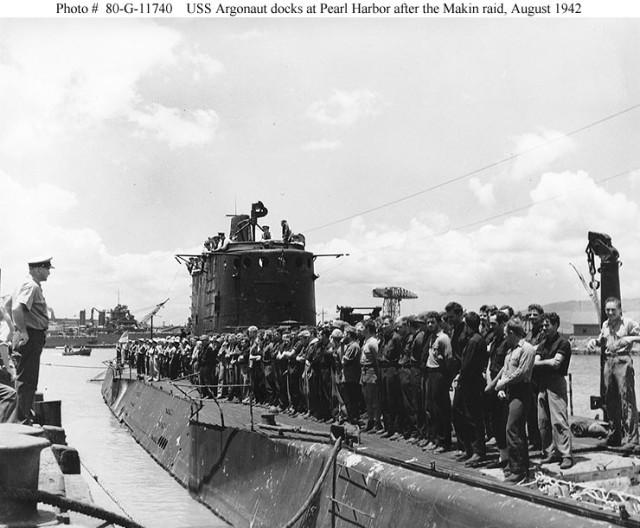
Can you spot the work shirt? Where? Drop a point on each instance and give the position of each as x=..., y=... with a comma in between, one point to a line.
x=474, y=361
x=439, y=351
x=268, y=353
x=317, y=355
x=518, y=364
x=417, y=348
x=535, y=336
x=369, y=355
x=351, y=363
x=459, y=340
x=624, y=327
x=31, y=297
x=548, y=349
x=497, y=352
x=391, y=351
x=405, y=357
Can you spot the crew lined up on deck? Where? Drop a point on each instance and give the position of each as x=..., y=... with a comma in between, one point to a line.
x=509, y=384
x=394, y=378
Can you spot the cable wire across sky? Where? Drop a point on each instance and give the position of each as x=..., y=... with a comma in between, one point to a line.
x=477, y=171
x=356, y=253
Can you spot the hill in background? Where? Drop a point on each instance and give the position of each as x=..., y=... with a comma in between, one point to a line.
x=584, y=313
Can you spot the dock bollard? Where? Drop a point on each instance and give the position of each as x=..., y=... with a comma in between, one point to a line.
x=21, y=429
x=19, y=468
x=55, y=435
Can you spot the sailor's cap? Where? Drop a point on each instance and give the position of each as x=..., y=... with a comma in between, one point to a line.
x=40, y=262
x=304, y=333
x=337, y=334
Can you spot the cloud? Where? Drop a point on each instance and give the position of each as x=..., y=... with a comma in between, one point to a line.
x=345, y=108
x=537, y=150
x=518, y=259
x=202, y=64
x=177, y=128
x=322, y=144
x=634, y=182
x=482, y=191
x=248, y=35
x=61, y=79
x=86, y=274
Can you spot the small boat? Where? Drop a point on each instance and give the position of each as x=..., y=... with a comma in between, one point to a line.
x=76, y=351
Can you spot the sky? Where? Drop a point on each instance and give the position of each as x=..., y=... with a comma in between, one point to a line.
x=461, y=159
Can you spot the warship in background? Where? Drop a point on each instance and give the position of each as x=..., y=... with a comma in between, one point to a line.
x=105, y=330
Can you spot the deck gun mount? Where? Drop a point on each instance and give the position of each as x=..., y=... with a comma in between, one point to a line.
x=600, y=246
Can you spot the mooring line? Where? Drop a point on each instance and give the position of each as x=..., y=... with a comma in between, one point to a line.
x=109, y=493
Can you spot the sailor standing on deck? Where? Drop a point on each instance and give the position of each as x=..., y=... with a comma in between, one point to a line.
x=514, y=386
x=390, y=390
x=534, y=336
x=31, y=319
x=617, y=337
x=467, y=401
x=550, y=368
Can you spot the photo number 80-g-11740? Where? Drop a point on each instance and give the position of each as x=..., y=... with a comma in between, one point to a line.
x=146, y=8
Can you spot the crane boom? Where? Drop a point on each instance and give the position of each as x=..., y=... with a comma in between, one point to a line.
x=153, y=312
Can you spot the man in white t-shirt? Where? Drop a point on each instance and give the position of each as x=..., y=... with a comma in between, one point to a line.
x=617, y=337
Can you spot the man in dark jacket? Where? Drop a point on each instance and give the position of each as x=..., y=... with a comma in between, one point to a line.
x=497, y=409
x=391, y=393
x=351, y=372
x=467, y=413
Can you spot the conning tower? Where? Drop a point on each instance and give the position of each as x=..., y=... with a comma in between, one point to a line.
x=240, y=281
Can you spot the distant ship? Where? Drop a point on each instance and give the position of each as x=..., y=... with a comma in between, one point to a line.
x=103, y=332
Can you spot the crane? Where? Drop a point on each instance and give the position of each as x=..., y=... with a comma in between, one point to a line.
x=149, y=316
x=392, y=296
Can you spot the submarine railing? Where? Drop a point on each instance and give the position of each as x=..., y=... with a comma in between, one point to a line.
x=213, y=398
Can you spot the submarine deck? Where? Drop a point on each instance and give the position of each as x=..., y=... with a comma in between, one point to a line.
x=604, y=482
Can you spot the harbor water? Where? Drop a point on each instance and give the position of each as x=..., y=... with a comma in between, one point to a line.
x=133, y=481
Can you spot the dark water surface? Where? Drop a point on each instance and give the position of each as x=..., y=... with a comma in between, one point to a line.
x=149, y=494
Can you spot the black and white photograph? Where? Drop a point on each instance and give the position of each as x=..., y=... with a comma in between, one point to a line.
x=320, y=271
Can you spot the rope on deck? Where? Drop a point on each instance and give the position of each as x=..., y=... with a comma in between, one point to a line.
x=68, y=504
x=625, y=504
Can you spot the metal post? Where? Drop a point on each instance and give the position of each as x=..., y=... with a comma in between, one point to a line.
x=570, y=394
x=600, y=245
x=251, y=398
x=333, y=494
